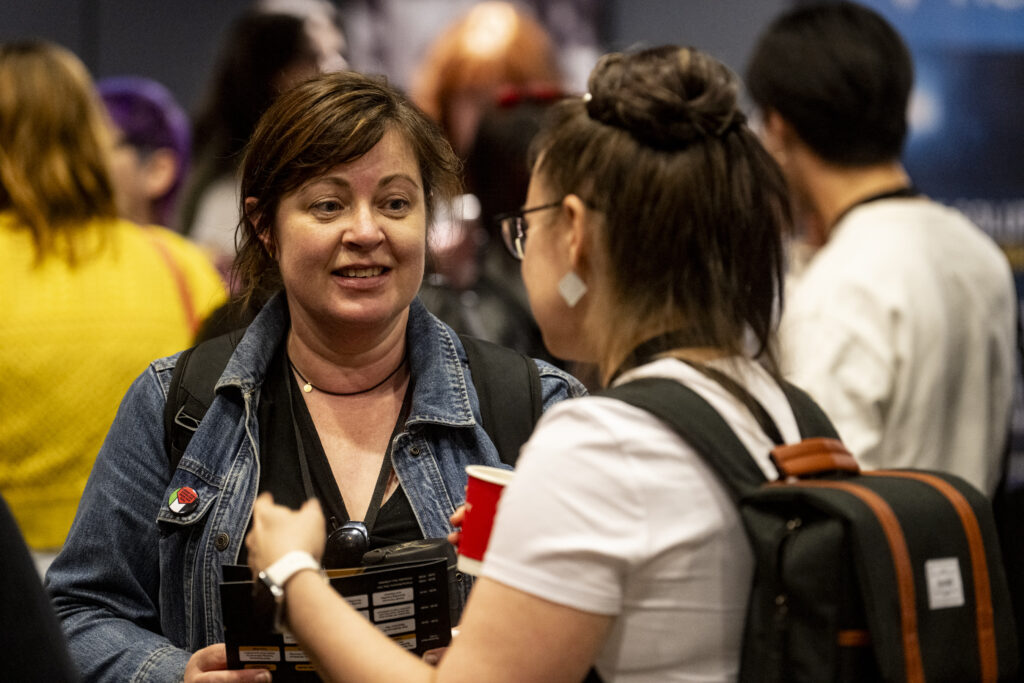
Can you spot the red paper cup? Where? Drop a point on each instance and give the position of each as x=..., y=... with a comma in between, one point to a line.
x=483, y=490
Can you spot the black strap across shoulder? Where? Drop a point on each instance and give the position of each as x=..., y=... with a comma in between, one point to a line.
x=191, y=390
x=707, y=432
x=507, y=384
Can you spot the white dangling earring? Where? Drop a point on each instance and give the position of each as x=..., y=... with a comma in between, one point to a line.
x=572, y=288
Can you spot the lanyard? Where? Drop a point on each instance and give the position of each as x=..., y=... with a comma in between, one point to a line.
x=376, y=500
x=899, y=193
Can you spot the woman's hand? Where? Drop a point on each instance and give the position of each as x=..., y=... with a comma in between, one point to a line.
x=210, y=665
x=277, y=530
x=456, y=520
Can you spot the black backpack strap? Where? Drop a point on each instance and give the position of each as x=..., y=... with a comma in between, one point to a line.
x=508, y=386
x=700, y=425
x=192, y=389
x=810, y=418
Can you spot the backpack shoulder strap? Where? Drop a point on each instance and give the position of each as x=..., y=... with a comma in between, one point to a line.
x=700, y=425
x=192, y=389
x=810, y=418
x=508, y=385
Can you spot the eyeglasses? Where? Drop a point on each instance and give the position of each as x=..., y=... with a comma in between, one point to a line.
x=513, y=227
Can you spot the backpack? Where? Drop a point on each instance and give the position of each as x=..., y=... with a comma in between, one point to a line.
x=883, y=575
x=506, y=381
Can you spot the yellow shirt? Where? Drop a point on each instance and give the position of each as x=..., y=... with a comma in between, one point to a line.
x=72, y=339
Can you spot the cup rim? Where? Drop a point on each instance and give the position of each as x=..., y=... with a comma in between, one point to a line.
x=491, y=475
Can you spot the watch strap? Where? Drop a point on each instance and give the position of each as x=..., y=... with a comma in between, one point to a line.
x=277, y=575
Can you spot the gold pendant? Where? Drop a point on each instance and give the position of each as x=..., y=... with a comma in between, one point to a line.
x=308, y=387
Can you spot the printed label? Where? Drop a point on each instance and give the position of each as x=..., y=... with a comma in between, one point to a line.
x=394, y=612
x=403, y=626
x=945, y=584
x=391, y=597
x=358, y=601
x=259, y=654
x=295, y=654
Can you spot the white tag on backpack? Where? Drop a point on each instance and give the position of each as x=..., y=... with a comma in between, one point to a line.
x=945, y=585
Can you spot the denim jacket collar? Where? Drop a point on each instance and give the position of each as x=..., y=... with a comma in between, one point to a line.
x=440, y=395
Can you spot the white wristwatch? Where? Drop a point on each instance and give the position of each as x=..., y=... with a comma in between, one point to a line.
x=276, y=576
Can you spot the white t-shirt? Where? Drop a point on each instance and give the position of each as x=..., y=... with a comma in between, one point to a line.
x=902, y=328
x=611, y=512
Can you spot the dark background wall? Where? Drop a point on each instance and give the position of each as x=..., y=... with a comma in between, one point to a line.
x=175, y=41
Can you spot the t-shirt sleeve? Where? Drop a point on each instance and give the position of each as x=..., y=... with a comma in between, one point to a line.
x=570, y=524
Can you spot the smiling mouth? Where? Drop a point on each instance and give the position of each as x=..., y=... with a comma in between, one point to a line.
x=360, y=272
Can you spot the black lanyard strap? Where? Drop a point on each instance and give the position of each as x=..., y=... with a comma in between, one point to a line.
x=377, y=499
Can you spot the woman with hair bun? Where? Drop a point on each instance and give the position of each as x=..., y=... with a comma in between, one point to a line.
x=651, y=246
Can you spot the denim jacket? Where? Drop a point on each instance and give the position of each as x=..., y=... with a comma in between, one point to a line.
x=137, y=585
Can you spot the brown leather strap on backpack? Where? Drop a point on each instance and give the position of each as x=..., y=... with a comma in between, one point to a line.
x=904, y=572
x=984, y=615
x=813, y=456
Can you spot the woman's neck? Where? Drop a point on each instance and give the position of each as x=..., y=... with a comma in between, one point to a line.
x=346, y=360
x=654, y=345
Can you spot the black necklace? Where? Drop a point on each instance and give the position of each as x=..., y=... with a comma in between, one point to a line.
x=309, y=386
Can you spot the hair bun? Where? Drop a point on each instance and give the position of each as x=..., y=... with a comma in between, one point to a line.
x=664, y=102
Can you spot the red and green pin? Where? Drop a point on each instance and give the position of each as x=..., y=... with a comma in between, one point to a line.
x=183, y=500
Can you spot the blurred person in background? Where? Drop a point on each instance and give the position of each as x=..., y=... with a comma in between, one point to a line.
x=902, y=324
x=493, y=46
x=265, y=53
x=495, y=51
x=34, y=646
x=88, y=299
x=488, y=299
x=152, y=147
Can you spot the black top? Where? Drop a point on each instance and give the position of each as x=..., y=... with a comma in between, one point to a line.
x=281, y=472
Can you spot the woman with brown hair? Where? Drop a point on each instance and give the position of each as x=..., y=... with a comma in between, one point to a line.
x=88, y=299
x=344, y=388
x=651, y=246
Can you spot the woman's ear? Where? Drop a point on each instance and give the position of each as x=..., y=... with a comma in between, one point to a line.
x=159, y=172
x=579, y=231
x=252, y=214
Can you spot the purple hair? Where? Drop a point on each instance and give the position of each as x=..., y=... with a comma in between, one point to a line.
x=150, y=118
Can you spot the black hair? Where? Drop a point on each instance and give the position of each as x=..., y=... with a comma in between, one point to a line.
x=841, y=76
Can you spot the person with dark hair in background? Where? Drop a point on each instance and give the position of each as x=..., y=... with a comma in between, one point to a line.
x=344, y=387
x=487, y=299
x=264, y=54
x=902, y=325
x=152, y=151
x=88, y=299
x=651, y=246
